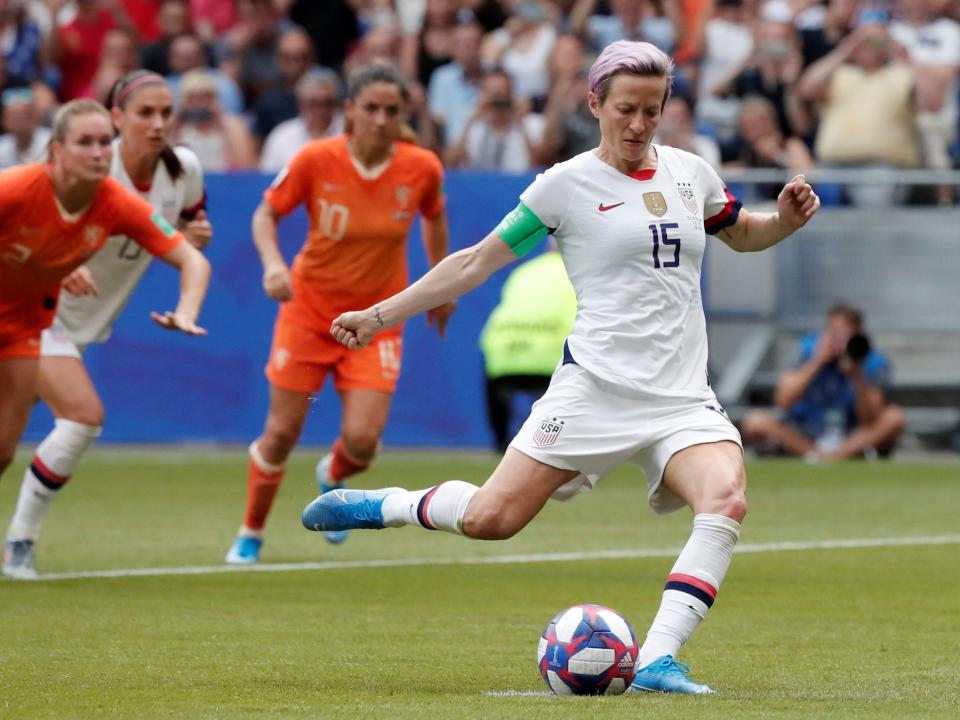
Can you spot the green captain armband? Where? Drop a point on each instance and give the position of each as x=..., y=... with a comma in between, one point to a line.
x=521, y=230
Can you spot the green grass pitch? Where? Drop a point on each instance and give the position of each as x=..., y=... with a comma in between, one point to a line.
x=838, y=632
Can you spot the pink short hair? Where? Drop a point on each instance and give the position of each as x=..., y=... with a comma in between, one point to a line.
x=633, y=58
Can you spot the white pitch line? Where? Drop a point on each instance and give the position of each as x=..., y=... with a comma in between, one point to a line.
x=625, y=554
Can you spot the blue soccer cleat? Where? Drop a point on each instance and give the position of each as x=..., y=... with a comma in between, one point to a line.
x=347, y=510
x=326, y=484
x=244, y=551
x=666, y=675
x=19, y=559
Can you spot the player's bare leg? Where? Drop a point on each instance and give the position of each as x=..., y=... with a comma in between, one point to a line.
x=882, y=433
x=512, y=496
x=710, y=478
x=18, y=377
x=760, y=426
x=64, y=384
x=267, y=465
x=364, y=417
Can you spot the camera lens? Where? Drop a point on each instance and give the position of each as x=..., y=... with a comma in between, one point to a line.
x=858, y=347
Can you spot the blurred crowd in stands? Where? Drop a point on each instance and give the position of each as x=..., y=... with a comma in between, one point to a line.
x=501, y=84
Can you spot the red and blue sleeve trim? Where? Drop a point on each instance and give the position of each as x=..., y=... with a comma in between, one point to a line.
x=191, y=212
x=726, y=217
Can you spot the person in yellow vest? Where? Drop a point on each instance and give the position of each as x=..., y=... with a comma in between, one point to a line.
x=522, y=340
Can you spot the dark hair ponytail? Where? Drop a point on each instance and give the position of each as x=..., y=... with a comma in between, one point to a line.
x=120, y=94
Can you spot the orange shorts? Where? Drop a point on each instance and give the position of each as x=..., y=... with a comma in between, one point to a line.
x=300, y=359
x=22, y=347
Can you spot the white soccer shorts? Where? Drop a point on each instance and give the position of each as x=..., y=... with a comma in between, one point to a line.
x=55, y=341
x=584, y=423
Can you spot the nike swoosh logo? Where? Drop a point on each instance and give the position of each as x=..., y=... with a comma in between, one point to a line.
x=604, y=208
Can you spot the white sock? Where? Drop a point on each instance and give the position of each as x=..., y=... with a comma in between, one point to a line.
x=691, y=586
x=53, y=464
x=437, y=508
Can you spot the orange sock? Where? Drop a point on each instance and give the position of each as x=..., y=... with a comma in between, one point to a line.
x=343, y=466
x=263, y=481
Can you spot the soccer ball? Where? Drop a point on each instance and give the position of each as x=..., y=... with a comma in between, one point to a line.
x=588, y=650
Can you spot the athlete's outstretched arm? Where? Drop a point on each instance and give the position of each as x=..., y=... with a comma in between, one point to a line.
x=436, y=244
x=276, y=274
x=796, y=204
x=194, y=278
x=454, y=276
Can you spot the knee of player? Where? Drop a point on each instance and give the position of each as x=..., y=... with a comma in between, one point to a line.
x=362, y=444
x=486, y=522
x=755, y=424
x=895, y=417
x=86, y=413
x=729, y=495
x=279, y=436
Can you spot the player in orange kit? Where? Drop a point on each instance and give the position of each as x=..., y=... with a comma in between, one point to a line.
x=55, y=216
x=361, y=192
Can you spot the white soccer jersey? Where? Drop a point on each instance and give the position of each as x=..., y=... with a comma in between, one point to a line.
x=632, y=246
x=119, y=265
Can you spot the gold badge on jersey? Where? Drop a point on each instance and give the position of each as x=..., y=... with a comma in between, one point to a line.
x=655, y=203
x=402, y=194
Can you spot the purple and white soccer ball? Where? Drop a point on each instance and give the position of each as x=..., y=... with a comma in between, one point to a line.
x=588, y=650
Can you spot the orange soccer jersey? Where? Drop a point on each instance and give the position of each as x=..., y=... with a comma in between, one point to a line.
x=39, y=247
x=355, y=252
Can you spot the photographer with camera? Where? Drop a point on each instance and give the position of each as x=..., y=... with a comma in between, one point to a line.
x=833, y=400
x=501, y=134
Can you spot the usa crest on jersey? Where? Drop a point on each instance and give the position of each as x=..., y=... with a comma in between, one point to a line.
x=688, y=197
x=548, y=431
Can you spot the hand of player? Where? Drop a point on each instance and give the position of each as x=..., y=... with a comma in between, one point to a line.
x=355, y=329
x=797, y=203
x=177, y=321
x=80, y=282
x=277, y=283
x=439, y=317
x=199, y=231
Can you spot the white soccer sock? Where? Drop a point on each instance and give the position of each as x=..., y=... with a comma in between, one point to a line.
x=53, y=464
x=437, y=508
x=691, y=586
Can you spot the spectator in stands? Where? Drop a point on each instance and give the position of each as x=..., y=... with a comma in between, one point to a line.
x=220, y=139
x=650, y=20
x=318, y=99
x=76, y=46
x=331, y=24
x=248, y=50
x=728, y=42
x=174, y=19
x=761, y=144
x=119, y=55
x=933, y=48
x=454, y=88
x=771, y=71
x=22, y=44
x=868, y=108
x=677, y=130
x=433, y=46
x=838, y=21
x=294, y=59
x=570, y=127
x=187, y=52
x=502, y=134
x=212, y=18
x=522, y=340
x=833, y=400
x=379, y=44
x=522, y=48
x=24, y=139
